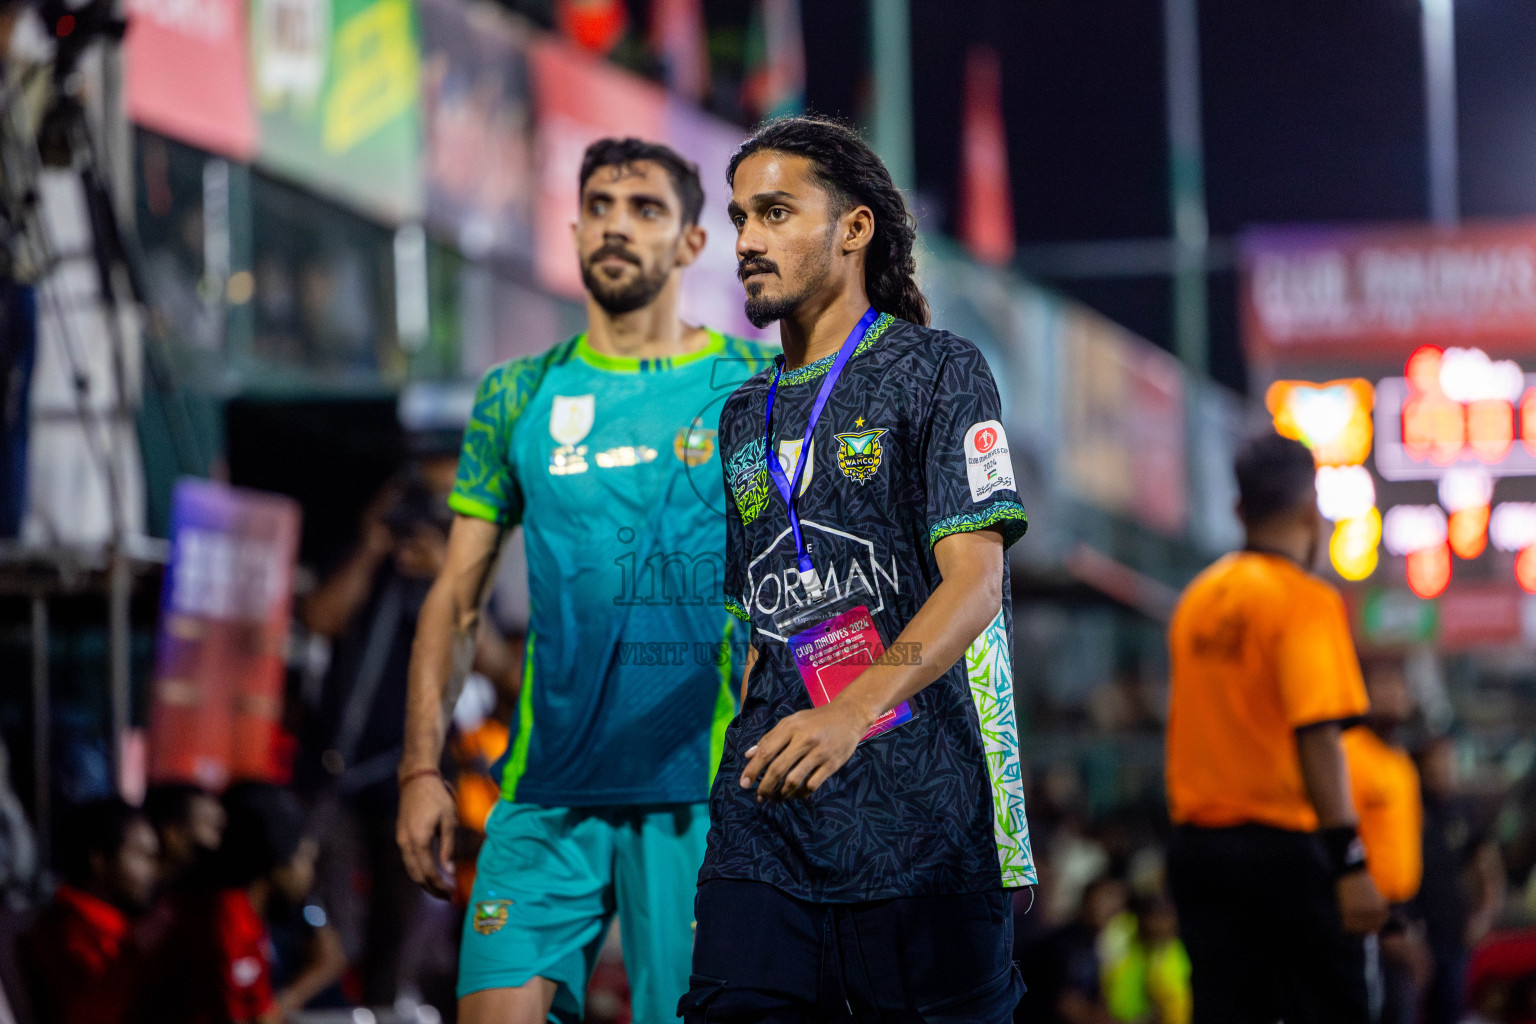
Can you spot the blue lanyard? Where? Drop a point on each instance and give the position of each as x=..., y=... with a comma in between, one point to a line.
x=788, y=488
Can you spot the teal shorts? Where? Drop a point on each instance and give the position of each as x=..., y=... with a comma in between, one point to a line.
x=548, y=882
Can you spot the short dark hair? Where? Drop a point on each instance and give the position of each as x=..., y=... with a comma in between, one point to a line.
x=853, y=175
x=1275, y=475
x=624, y=152
x=266, y=824
x=170, y=803
x=91, y=828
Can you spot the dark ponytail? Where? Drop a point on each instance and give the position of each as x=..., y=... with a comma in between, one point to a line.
x=855, y=176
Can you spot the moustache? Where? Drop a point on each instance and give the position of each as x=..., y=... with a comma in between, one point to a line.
x=747, y=268
x=613, y=250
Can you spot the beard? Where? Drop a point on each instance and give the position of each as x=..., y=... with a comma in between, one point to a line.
x=627, y=296
x=763, y=310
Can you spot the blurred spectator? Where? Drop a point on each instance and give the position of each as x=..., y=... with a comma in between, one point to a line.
x=1266, y=866
x=217, y=964
x=189, y=822
x=367, y=608
x=1385, y=786
x=1145, y=967
x=1063, y=969
x=1464, y=885
x=1501, y=980
x=80, y=957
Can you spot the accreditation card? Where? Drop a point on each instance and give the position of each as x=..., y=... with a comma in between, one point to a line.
x=832, y=642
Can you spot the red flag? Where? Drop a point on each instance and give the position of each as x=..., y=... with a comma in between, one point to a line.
x=986, y=198
x=593, y=25
x=677, y=35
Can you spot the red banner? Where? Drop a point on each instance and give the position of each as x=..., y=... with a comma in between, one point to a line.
x=187, y=73
x=1322, y=294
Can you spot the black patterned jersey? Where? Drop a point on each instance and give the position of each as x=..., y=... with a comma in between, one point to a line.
x=908, y=451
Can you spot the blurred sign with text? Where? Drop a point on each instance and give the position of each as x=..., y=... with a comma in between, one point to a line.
x=186, y=73
x=337, y=87
x=218, y=681
x=1319, y=294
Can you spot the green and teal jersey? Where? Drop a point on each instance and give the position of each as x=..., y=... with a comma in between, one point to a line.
x=611, y=466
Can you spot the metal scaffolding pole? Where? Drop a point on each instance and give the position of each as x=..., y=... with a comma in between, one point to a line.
x=1186, y=182
x=1439, y=24
x=891, y=46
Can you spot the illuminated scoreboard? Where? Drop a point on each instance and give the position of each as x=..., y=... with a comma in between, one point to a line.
x=1456, y=409
x=1452, y=440
x=1455, y=418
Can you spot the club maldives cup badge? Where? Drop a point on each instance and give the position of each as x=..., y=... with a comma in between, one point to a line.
x=988, y=466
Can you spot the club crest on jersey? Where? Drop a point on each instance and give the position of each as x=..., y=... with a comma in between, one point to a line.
x=491, y=916
x=858, y=455
x=694, y=445
x=570, y=418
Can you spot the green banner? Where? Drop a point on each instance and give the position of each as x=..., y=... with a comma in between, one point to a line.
x=337, y=84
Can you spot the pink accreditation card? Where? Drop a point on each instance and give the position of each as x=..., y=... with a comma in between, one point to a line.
x=831, y=653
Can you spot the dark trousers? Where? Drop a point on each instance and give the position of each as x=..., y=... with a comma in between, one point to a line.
x=761, y=956
x=1259, y=916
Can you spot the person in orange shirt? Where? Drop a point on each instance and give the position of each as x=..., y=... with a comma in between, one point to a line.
x=1266, y=865
x=1385, y=785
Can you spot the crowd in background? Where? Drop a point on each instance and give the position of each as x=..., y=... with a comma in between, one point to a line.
x=249, y=905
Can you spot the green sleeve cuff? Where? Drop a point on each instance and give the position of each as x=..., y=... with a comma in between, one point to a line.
x=464, y=505
x=734, y=607
x=1007, y=517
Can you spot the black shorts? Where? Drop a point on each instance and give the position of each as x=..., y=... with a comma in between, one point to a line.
x=763, y=956
x=1259, y=915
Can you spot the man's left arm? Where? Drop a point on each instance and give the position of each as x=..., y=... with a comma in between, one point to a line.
x=802, y=751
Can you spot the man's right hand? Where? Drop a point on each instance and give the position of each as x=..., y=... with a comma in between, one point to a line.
x=1360, y=904
x=427, y=813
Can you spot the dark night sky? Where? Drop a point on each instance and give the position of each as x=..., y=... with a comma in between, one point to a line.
x=1313, y=112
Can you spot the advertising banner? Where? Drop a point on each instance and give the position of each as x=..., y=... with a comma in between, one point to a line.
x=218, y=681
x=1122, y=422
x=186, y=73
x=1319, y=294
x=337, y=88
x=477, y=101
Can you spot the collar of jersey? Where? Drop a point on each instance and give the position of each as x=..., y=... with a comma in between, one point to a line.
x=812, y=371
x=630, y=364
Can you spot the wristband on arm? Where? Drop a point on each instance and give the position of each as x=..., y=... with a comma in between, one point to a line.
x=1346, y=853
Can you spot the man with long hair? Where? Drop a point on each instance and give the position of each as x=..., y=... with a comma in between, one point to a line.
x=603, y=449
x=868, y=814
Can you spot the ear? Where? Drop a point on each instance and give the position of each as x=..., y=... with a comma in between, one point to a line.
x=856, y=229
x=576, y=238
x=690, y=244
